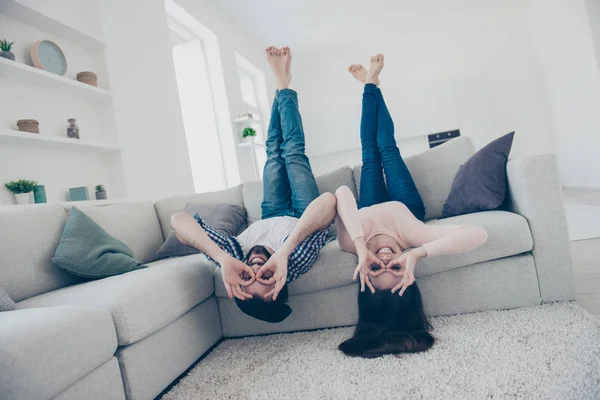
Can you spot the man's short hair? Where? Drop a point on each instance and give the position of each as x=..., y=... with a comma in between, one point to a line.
x=268, y=311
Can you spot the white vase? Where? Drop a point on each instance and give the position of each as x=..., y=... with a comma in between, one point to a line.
x=23, y=198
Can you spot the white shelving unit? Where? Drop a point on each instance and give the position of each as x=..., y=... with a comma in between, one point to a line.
x=93, y=104
x=54, y=142
x=29, y=16
x=251, y=144
x=32, y=76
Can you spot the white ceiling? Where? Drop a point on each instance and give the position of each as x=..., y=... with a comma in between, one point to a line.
x=307, y=25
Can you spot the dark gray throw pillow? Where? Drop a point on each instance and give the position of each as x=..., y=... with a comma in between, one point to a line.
x=6, y=303
x=86, y=249
x=229, y=219
x=480, y=183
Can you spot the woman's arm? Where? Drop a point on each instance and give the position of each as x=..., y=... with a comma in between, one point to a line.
x=350, y=231
x=447, y=239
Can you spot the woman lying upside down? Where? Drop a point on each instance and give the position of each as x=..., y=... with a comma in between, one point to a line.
x=388, y=222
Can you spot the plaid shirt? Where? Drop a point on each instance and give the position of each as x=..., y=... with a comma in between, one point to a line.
x=299, y=262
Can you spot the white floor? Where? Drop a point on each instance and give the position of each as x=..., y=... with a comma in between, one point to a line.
x=583, y=220
x=586, y=253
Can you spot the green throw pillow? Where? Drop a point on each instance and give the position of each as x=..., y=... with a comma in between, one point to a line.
x=85, y=249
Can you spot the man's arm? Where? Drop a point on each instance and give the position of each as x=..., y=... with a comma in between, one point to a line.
x=190, y=233
x=318, y=216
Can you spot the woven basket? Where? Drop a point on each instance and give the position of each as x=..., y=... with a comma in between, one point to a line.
x=28, y=125
x=88, y=77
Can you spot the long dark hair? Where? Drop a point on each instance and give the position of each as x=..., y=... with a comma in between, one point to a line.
x=389, y=324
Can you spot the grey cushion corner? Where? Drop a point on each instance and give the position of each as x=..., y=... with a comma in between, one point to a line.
x=330, y=181
x=230, y=219
x=6, y=303
x=481, y=182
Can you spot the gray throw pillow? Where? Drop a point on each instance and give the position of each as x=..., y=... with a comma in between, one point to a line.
x=480, y=183
x=229, y=219
x=6, y=303
x=86, y=249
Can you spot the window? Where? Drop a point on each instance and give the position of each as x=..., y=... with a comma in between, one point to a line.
x=254, y=95
x=204, y=104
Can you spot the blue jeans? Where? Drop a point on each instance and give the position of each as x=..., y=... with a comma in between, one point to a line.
x=379, y=148
x=288, y=182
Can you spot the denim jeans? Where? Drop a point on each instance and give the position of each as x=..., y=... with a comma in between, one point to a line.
x=288, y=182
x=379, y=148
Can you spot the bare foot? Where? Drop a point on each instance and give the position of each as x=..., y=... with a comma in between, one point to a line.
x=287, y=55
x=277, y=62
x=375, y=69
x=360, y=73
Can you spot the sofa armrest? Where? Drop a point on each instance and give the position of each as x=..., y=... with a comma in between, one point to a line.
x=45, y=350
x=535, y=193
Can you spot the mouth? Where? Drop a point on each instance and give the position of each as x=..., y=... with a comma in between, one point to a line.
x=385, y=250
x=257, y=259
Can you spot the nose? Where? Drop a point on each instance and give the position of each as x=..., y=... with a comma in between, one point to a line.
x=385, y=258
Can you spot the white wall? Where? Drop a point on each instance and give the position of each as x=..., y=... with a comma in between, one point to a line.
x=146, y=103
x=475, y=70
x=572, y=80
x=57, y=170
x=593, y=9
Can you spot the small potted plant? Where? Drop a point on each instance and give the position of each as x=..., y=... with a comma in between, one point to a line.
x=5, y=46
x=248, y=134
x=22, y=190
x=100, y=192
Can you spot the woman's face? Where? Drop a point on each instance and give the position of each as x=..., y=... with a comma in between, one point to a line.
x=386, y=249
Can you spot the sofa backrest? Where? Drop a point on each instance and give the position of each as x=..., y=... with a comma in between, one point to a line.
x=167, y=207
x=253, y=191
x=29, y=236
x=433, y=172
x=135, y=224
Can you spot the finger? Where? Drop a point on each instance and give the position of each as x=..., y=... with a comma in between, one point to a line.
x=356, y=271
x=228, y=288
x=370, y=285
x=269, y=281
x=404, y=288
x=236, y=293
x=261, y=271
x=362, y=282
x=250, y=271
x=278, y=288
x=242, y=293
x=398, y=286
x=248, y=282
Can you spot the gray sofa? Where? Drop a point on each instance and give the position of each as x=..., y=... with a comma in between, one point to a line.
x=132, y=335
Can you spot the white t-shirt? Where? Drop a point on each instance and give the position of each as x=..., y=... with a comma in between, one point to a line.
x=269, y=232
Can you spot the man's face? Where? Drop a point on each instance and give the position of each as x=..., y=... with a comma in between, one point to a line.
x=256, y=258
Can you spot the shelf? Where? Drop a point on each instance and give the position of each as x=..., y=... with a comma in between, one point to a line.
x=54, y=142
x=32, y=76
x=15, y=9
x=245, y=118
x=250, y=144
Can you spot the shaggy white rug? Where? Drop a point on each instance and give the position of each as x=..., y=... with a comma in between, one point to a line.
x=544, y=352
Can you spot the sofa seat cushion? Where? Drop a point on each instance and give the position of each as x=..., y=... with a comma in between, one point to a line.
x=143, y=301
x=44, y=351
x=508, y=235
x=333, y=268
